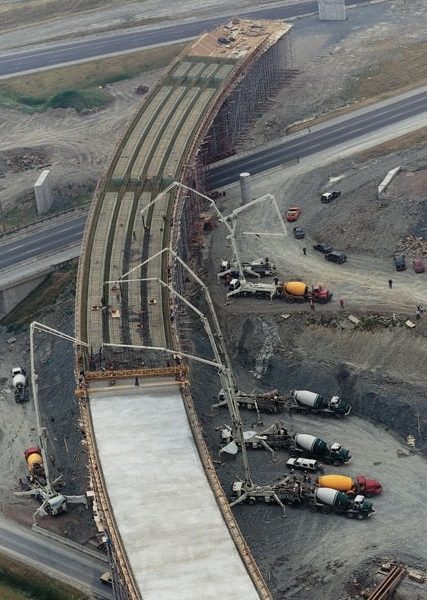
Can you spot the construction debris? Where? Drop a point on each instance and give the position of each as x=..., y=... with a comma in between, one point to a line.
x=413, y=245
x=417, y=576
x=26, y=159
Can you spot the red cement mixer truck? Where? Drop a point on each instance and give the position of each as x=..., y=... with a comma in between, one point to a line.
x=351, y=486
x=298, y=291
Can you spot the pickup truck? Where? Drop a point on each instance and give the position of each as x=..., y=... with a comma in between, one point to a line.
x=329, y=196
x=293, y=214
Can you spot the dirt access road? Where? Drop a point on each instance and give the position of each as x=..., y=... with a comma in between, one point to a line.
x=363, y=280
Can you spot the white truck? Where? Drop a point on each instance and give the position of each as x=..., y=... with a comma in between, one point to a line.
x=246, y=288
x=257, y=268
x=20, y=384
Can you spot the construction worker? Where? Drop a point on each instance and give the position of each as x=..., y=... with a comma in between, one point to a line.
x=312, y=304
x=390, y=283
x=342, y=302
x=304, y=251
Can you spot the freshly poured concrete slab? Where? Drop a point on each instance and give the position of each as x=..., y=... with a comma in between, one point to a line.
x=177, y=542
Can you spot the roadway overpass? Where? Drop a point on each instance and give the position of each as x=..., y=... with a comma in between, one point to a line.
x=158, y=503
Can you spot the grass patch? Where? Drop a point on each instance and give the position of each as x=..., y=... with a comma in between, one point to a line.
x=20, y=582
x=44, y=296
x=78, y=86
x=80, y=100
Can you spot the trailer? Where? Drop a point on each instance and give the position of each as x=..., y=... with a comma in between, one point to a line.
x=269, y=402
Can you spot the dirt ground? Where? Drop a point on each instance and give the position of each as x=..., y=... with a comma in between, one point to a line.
x=59, y=414
x=329, y=58
x=378, y=368
x=308, y=553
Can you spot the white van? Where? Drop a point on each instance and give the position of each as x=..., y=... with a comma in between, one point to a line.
x=307, y=464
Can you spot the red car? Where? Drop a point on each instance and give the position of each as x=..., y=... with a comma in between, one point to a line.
x=418, y=265
x=293, y=213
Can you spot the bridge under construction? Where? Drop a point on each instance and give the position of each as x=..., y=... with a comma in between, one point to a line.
x=158, y=504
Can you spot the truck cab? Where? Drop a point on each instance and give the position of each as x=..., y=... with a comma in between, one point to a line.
x=370, y=487
x=234, y=285
x=320, y=294
x=339, y=454
x=363, y=507
x=339, y=406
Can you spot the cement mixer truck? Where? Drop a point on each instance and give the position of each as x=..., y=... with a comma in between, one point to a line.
x=327, y=500
x=291, y=291
x=303, y=401
x=51, y=502
x=308, y=446
x=20, y=384
x=298, y=291
x=34, y=460
x=350, y=486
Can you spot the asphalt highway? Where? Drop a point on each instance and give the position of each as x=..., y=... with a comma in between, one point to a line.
x=321, y=139
x=53, y=55
x=55, y=236
x=58, y=236
x=62, y=562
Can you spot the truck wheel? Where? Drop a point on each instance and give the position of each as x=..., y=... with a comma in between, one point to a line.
x=336, y=463
x=360, y=516
x=349, y=515
x=252, y=501
x=325, y=510
x=293, y=453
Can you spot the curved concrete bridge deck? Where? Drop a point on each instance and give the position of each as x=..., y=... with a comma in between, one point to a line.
x=174, y=534
x=158, y=502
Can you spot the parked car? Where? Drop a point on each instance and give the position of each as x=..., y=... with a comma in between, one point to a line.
x=418, y=265
x=399, y=262
x=293, y=214
x=299, y=233
x=329, y=196
x=336, y=256
x=308, y=464
x=322, y=247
